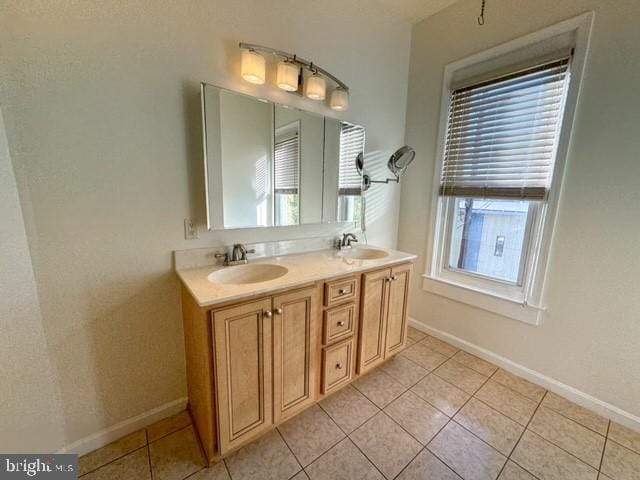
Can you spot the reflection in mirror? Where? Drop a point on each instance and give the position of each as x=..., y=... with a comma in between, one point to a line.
x=344, y=142
x=270, y=165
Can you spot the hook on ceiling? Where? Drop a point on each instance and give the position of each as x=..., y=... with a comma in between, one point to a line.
x=481, y=17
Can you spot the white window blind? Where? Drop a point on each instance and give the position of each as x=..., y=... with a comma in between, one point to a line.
x=502, y=134
x=286, y=176
x=351, y=144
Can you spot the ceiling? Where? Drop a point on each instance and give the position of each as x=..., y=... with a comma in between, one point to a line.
x=416, y=10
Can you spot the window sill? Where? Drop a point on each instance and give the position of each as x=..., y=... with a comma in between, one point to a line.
x=484, y=300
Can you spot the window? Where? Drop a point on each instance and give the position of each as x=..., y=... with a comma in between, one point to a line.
x=287, y=179
x=499, y=152
x=349, y=180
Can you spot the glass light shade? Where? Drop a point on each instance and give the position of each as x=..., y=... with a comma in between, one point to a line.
x=287, y=76
x=339, y=99
x=315, y=87
x=253, y=67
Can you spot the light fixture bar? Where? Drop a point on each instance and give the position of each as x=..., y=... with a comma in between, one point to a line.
x=295, y=59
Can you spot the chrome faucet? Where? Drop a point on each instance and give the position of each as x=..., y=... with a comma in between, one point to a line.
x=238, y=255
x=347, y=240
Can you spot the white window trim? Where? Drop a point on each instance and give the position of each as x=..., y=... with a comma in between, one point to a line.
x=449, y=284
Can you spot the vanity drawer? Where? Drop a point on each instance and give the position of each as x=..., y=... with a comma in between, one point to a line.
x=339, y=323
x=339, y=291
x=337, y=365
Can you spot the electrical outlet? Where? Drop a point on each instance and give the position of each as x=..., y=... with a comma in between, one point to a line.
x=190, y=229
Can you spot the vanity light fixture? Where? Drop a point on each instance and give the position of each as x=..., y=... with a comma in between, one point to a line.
x=294, y=75
x=287, y=76
x=253, y=67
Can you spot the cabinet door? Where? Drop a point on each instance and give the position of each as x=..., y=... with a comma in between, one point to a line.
x=372, y=319
x=296, y=325
x=397, y=312
x=242, y=338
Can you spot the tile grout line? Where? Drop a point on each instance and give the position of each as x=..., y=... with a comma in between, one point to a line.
x=604, y=448
x=451, y=420
x=146, y=436
x=526, y=427
x=347, y=435
x=114, y=460
x=290, y=450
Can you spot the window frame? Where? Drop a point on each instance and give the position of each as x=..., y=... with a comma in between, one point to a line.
x=523, y=302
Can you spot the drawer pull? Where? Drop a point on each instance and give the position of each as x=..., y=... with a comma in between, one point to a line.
x=339, y=366
x=341, y=323
x=342, y=291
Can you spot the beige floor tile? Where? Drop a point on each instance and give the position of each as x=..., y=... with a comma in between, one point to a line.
x=404, y=370
x=474, y=363
x=175, y=456
x=111, y=452
x=168, y=425
x=497, y=430
x=134, y=466
x=575, y=412
x=602, y=476
x=343, y=462
x=439, y=346
x=460, y=376
x=310, y=434
x=301, y=475
x=268, y=458
x=387, y=445
x=416, y=416
x=548, y=462
x=620, y=463
x=349, y=408
x=415, y=334
x=520, y=385
x=442, y=395
x=513, y=471
x=410, y=341
x=217, y=472
x=424, y=356
x=508, y=402
x=568, y=435
x=427, y=466
x=379, y=387
x=625, y=436
x=467, y=455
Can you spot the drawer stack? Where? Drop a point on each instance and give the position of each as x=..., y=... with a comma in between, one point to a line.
x=339, y=325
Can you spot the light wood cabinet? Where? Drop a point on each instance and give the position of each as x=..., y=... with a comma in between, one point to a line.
x=295, y=352
x=383, y=317
x=255, y=363
x=243, y=372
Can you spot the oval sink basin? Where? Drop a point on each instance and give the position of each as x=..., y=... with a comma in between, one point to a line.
x=363, y=253
x=243, y=274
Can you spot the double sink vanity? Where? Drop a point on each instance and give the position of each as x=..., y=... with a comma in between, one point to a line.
x=267, y=339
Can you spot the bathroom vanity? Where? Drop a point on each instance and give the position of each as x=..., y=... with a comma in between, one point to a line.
x=266, y=340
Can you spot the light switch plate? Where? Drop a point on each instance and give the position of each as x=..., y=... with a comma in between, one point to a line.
x=190, y=229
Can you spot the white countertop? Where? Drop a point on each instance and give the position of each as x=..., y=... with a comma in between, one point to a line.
x=302, y=269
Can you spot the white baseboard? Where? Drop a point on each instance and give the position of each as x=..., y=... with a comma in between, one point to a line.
x=119, y=430
x=583, y=399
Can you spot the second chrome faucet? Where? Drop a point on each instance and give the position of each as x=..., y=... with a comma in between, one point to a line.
x=238, y=255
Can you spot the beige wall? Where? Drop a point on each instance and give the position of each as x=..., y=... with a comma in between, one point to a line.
x=30, y=412
x=590, y=335
x=102, y=115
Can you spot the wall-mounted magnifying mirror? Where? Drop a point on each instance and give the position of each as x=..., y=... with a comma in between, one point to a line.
x=397, y=164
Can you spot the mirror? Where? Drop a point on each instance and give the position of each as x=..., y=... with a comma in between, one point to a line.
x=269, y=165
x=400, y=160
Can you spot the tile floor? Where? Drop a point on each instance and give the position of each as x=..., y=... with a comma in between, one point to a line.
x=433, y=412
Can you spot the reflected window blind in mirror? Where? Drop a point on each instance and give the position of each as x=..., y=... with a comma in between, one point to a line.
x=351, y=144
x=502, y=134
x=286, y=177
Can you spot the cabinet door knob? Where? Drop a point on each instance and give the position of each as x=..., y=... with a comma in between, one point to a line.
x=393, y=277
x=267, y=314
x=342, y=291
x=341, y=323
x=278, y=311
x=387, y=279
x=339, y=366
